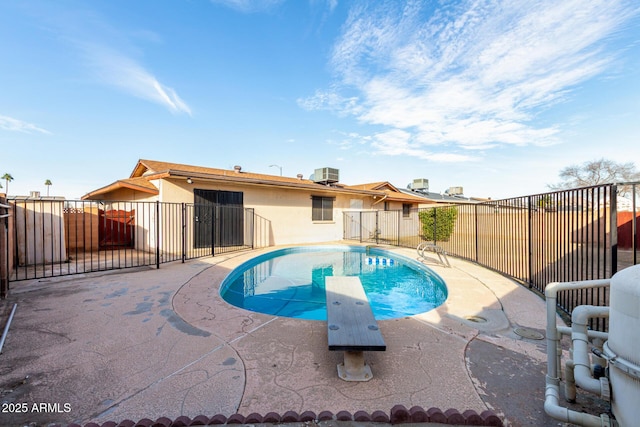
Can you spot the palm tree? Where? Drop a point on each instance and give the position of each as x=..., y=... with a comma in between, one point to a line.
x=7, y=179
x=48, y=184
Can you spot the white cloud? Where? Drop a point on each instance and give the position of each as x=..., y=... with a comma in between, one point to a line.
x=116, y=69
x=398, y=142
x=249, y=6
x=472, y=75
x=348, y=140
x=331, y=100
x=255, y=6
x=15, y=125
x=111, y=55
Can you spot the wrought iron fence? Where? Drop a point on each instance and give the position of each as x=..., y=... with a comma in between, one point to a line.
x=61, y=237
x=570, y=235
x=4, y=245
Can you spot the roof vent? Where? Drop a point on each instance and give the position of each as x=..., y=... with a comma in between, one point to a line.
x=326, y=176
x=299, y=176
x=237, y=168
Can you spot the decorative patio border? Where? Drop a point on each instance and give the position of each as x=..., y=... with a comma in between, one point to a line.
x=398, y=415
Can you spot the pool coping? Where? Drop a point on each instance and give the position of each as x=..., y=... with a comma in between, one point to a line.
x=313, y=249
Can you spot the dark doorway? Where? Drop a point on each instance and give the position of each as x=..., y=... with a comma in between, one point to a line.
x=219, y=218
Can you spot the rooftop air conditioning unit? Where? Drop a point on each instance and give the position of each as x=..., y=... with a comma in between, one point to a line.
x=420, y=184
x=326, y=175
x=455, y=191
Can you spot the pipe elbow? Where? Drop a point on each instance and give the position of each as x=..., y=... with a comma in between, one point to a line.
x=551, y=290
x=556, y=411
x=582, y=313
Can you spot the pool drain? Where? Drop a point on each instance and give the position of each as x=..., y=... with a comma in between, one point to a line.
x=476, y=319
x=528, y=333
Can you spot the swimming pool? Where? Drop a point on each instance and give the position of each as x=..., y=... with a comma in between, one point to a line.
x=290, y=282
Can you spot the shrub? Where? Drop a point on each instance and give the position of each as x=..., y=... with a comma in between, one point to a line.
x=438, y=223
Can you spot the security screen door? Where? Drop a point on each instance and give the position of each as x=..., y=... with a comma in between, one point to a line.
x=218, y=217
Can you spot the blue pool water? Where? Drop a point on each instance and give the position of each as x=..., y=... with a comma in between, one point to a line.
x=290, y=282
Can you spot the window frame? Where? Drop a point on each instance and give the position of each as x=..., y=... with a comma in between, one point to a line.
x=406, y=210
x=323, y=212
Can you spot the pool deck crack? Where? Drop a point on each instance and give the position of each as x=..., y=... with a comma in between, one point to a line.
x=238, y=338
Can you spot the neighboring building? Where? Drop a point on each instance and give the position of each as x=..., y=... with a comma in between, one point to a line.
x=394, y=199
x=430, y=197
x=420, y=187
x=296, y=210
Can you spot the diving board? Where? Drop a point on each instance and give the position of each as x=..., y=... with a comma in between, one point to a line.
x=351, y=326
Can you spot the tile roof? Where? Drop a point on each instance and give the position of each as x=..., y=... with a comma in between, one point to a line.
x=374, y=185
x=138, y=183
x=147, y=170
x=391, y=191
x=154, y=167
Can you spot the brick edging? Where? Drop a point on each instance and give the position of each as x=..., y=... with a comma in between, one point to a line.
x=398, y=415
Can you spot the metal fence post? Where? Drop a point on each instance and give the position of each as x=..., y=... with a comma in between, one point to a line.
x=530, y=242
x=613, y=207
x=634, y=227
x=435, y=226
x=183, y=228
x=253, y=227
x=377, y=232
x=157, y=234
x=399, y=213
x=4, y=250
x=475, y=210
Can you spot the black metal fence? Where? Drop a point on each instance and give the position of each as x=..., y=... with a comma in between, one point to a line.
x=59, y=237
x=4, y=244
x=571, y=235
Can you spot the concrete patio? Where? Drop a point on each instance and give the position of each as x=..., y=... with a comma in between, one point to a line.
x=150, y=343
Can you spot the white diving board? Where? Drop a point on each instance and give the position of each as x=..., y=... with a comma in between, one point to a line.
x=351, y=326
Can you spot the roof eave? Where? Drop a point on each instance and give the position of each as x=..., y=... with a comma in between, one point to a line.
x=117, y=186
x=261, y=182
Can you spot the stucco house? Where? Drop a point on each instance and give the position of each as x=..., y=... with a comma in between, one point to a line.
x=289, y=210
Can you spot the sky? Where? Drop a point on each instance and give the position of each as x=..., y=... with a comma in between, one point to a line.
x=493, y=96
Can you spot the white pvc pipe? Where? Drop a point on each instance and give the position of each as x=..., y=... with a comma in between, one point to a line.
x=6, y=328
x=552, y=391
x=580, y=341
x=566, y=330
x=551, y=296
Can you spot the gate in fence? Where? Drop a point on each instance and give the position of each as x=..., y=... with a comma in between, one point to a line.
x=57, y=237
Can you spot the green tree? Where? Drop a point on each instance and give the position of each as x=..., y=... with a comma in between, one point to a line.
x=438, y=223
x=7, y=179
x=48, y=184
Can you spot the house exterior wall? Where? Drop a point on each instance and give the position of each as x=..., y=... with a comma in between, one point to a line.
x=129, y=194
x=391, y=206
x=287, y=212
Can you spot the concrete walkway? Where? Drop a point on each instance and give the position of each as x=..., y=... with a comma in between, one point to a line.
x=151, y=343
